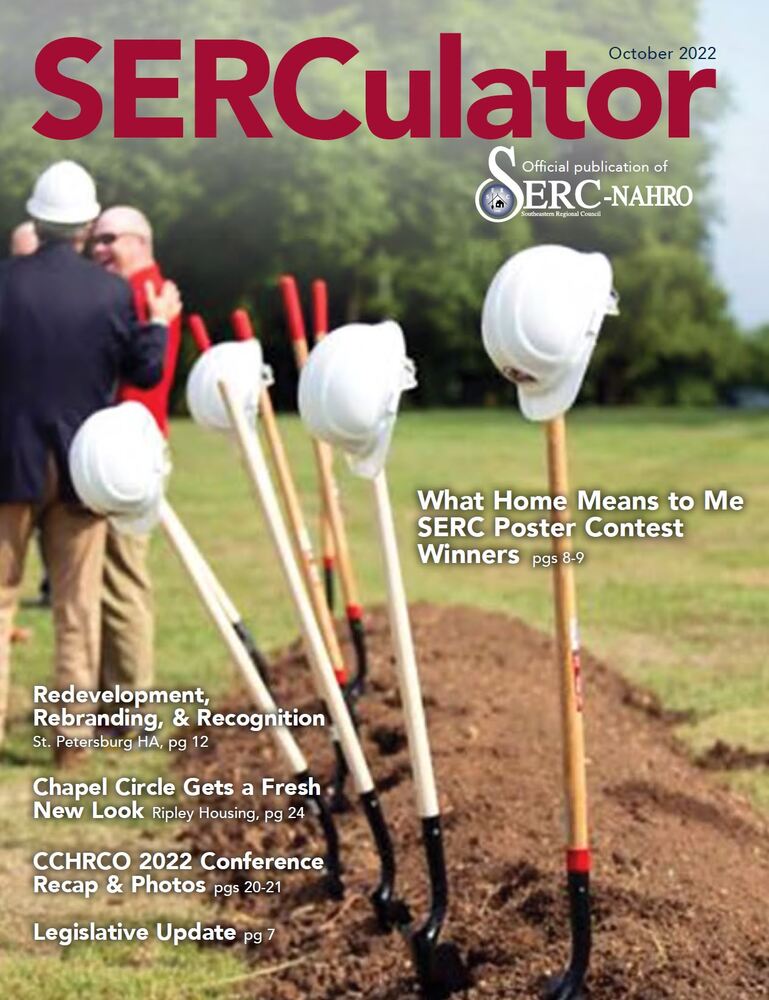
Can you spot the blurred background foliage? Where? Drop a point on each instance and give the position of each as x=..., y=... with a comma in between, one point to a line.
x=392, y=225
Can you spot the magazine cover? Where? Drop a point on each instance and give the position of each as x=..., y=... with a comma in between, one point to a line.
x=384, y=406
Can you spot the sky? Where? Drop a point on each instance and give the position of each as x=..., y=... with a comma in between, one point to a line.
x=740, y=31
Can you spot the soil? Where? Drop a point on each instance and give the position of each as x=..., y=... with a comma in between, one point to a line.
x=681, y=865
x=723, y=756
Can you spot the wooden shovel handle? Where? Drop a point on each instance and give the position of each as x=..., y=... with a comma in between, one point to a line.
x=301, y=537
x=319, y=295
x=293, y=309
x=328, y=688
x=405, y=657
x=319, y=292
x=199, y=332
x=244, y=330
x=324, y=459
x=242, y=326
x=192, y=561
x=567, y=634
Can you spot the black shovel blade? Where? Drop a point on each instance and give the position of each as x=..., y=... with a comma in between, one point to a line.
x=438, y=964
x=320, y=810
x=257, y=657
x=565, y=987
x=390, y=911
x=357, y=687
x=439, y=967
x=570, y=984
x=338, y=801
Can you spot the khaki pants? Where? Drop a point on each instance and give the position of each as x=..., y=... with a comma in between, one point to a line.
x=73, y=544
x=127, y=614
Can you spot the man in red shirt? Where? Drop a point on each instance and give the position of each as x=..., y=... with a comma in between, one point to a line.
x=121, y=242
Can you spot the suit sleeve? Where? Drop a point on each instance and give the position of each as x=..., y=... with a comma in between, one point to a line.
x=142, y=345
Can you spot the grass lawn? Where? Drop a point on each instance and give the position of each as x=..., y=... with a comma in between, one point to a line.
x=686, y=618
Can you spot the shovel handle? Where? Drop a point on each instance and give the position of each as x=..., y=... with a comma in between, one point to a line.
x=567, y=634
x=301, y=536
x=328, y=688
x=319, y=292
x=319, y=295
x=241, y=325
x=293, y=309
x=405, y=657
x=192, y=561
x=332, y=506
x=199, y=332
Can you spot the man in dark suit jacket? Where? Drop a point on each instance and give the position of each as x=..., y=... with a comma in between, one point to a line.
x=68, y=333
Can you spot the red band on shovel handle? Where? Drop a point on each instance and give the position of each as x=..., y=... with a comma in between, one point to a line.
x=241, y=325
x=328, y=562
x=354, y=612
x=319, y=308
x=293, y=307
x=199, y=332
x=578, y=861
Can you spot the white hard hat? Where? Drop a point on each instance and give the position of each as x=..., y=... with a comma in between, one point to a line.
x=64, y=193
x=119, y=464
x=541, y=318
x=239, y=365
x=350, y=389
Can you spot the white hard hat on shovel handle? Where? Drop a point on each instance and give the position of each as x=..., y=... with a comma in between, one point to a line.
x=241, y=365
x=349, y=395
x=202, y=341
x=119, y=463
x=541, y=319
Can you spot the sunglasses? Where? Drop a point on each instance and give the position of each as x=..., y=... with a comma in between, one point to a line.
x=107, y=239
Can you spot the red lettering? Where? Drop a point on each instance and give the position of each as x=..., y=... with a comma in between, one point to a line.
x=49, y=77
x=238, y=93
x=682, y=88
x=129, y=88
x=616, y=128
x=285, y=88
x=517, y=102
x=416, y=123
x=451, y=85
x=556, y=79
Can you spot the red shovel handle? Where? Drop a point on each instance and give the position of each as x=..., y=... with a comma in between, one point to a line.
x=199, y=332
x=319, y=308
x=293, y=307
x=242, y=325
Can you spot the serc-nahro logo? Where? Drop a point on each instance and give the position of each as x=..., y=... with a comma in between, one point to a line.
x=499, y=197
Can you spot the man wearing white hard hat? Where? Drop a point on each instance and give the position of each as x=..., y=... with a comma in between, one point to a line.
x=68, y=333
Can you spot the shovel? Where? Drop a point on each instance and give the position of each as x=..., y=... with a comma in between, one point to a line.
x=349, y=396
x=438, y=965
x=329, y=490
x=568, y=985
x=210, y=594
x=302, y=545
x=389, y=911
x=203, y=342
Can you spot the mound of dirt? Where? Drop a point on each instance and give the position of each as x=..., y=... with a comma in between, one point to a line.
x=681, y=873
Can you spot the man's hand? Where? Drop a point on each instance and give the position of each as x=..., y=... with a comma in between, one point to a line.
x=165, y=305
